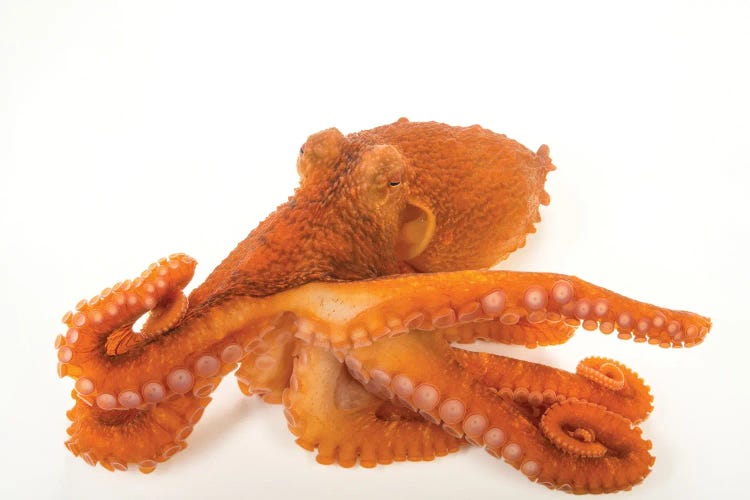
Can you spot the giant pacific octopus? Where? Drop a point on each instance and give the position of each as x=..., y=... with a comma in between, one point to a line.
x=346, y=304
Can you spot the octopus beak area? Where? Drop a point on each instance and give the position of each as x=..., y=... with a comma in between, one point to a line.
x=416, y=230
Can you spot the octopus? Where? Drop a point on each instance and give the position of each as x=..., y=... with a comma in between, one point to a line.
x=347, y=305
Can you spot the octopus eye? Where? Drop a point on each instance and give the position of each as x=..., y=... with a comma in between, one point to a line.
x=302, y=150
x=395, y=183
x=395, y=180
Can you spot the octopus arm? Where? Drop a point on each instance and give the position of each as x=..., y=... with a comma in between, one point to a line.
x=327, y=409
x=522, y=333
x=266, y=371
x=576, y=445
x=602, y=381
x=178, y=351
x=144, y=437
x=267, y=368
x=345, y=315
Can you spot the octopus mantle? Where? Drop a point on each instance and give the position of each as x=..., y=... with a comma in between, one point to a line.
x=346, y=304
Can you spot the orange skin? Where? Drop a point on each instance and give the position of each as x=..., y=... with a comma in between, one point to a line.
x=342, y=305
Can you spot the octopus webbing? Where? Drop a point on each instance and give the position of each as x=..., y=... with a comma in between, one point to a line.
x=346, y=304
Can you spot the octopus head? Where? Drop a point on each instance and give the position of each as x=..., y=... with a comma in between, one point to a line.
x=362, y=191
x=433, y=197
x=473, y=195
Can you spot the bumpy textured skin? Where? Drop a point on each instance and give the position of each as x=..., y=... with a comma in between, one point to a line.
x=343, y=305
x=485, y=178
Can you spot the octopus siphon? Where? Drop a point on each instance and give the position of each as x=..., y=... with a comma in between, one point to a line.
x=346, y=305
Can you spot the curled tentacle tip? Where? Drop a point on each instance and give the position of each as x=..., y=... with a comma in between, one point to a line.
x=570, y=426
x=607, y=374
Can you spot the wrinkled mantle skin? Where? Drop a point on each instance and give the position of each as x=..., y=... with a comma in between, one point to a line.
x=346, y=305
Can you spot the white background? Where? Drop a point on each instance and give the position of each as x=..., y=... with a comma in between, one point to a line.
x=132, y=130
